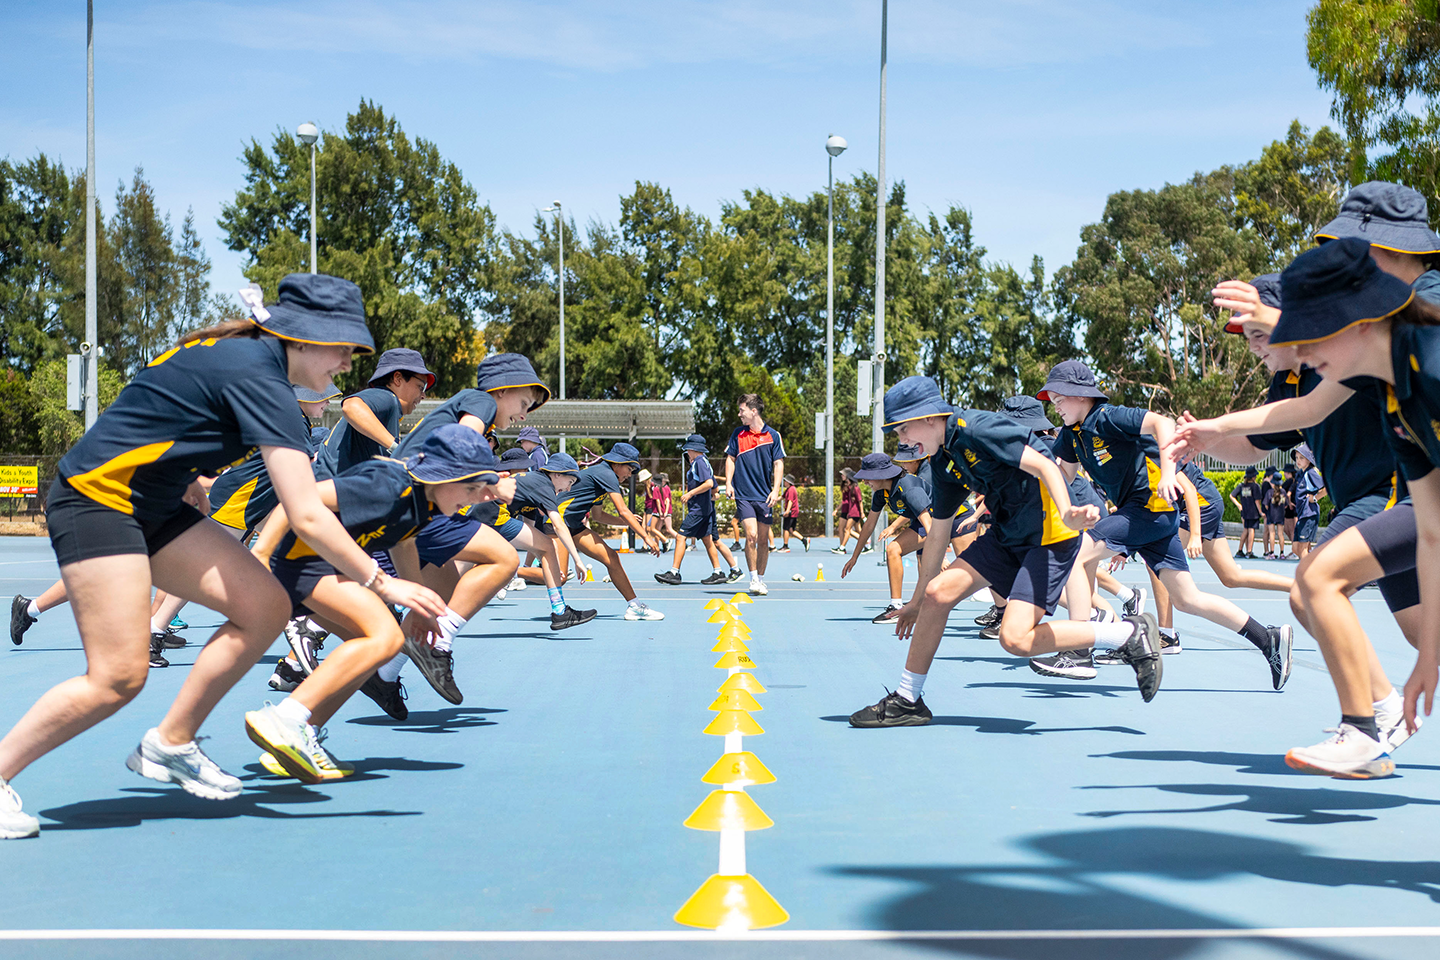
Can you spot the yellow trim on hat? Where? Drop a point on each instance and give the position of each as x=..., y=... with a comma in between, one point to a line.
x=516, y=386
x=923, y=416
x=361, y=348
x=1413, y=253
x=1353, y=323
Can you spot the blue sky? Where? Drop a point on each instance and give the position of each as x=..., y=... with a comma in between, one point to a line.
x=1028, y=112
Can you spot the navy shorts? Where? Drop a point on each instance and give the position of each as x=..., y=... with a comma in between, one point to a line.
x=753, y=510
x=700, y=524
x=1391, y=537
x=1211, y=521
x=1030, y=574
x=440, y=539
x=1305, y=528
x=963, y=526
x=511, y=528
x=82, y=529
x=1153, y=536
x=299, y=577
x=1252, y=523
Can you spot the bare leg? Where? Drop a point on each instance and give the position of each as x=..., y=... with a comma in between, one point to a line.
x=597, y=549
x=372, y=638
x=53, y=596
x=1231, y=574
x=1323, y=583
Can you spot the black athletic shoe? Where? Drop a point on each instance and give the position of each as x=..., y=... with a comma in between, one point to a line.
x=893, y=711
x=20, y=619
x=1170, y=644
x=1136, y=604
x=571, y=618
x=389, y=697
x=733, y=575
x=714, y=578
x=1142, y=652
x=1279, y=654
x=888, y=615
x=437, y=666
x=806, y=541
x=157, y=651
x=991, y=632
x=173, y=640
x=735, y=546
x=670, y=577
x=990, y=617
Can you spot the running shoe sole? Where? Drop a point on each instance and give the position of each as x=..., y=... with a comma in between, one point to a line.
x=264, y=735
x=888, y=616
x=1077, y=672
x=272, y=766
x=1382, y=766
x=151, y=770
x=1286, y=652
x=1150, y=666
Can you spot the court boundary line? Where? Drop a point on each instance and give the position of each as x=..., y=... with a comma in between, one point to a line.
x=672, y=936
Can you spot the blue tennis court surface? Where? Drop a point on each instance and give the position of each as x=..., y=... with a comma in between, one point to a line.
x=549, y=805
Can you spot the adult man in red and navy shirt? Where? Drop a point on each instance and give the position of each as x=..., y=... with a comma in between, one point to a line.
x=754, y=465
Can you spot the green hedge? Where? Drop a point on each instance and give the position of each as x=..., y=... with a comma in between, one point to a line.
x=1227, y=480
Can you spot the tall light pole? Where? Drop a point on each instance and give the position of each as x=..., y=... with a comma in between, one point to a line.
x=555, y=208
x=308, y=134
x=90, y=349
x=834, y=147
x=878, y=418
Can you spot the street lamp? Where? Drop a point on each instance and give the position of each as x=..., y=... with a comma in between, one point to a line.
x=878, y=394
x=560, y=229
x=308, y=134
x=833, y=146
x=90, y=348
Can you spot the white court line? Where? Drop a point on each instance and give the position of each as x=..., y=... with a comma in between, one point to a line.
x=669, y=936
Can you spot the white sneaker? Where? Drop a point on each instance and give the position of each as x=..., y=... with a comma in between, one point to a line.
x=1349, y=755
x=1393, y=730
x=500, y=594
x=15, y=824
x=290, y=743
x=758, y=588
x=185, y=764
x=517, y=584
x=638, y=611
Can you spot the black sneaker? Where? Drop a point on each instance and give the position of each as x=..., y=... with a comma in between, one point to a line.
x=1069, y=664
x=806, y=542
x=671, y=577
x=157, y=651
x=20, y=619
x=714, y=578
x=286, y=678
x=173, y=640
x=735, y=546
x=437, y=666
x=571, y=618
x=733, y=575
x=1170, y=643
x=1142, y=652
x=1279, y=655
x=991, y=632
x=990, y=617
x=893, y=711
x=388, y=696
x=889, y=615
x=1136, y=604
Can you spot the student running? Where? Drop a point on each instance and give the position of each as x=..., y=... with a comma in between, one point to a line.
x=908, y=497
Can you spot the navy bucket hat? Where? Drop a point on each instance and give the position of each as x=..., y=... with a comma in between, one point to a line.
x=1250, y=472
x=1332, y=288
x=914, y=398
x=1387, y=215
x=516, y=459
x=306, y=395
x=878, y=466
x=502, y=370
x=452, y=453
x=696, y=443
x=529, y=433
x=1267, y=287
x=313, y=308
x=623, y=453
x=1026, y=411
x=403, y=360
x=561, y=463
x=1071, y=378
x=907, y=453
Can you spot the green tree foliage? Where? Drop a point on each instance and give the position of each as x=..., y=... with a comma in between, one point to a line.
x=57, y=428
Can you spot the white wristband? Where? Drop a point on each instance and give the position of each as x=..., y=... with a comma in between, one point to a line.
x=373, y=577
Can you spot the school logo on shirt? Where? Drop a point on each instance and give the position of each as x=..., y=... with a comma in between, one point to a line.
x=1101, y=452
x=375, y=534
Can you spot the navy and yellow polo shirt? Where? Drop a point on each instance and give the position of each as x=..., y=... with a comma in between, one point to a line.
x=476, y=403
x=1122, y=461
x=1205, y=490
x=1410, y=409
x=194, y=409
x=1349, y=451
x=243, y=496
x=535, y=497
x=982, y=454
x=908, y=497
x=379, y=505
x=345, y=447
x=594, y=485
x=755, y=457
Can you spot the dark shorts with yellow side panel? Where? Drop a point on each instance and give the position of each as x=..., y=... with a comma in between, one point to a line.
x=82, y=529
x=299, y=577
x=1030, y=574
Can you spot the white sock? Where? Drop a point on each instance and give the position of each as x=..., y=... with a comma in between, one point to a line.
x=33, y=609
x=1391, y=703
x=911, y=684
x=637, y=602
x=717, y=570
x=293, y=710
x=896, y=602
x=1113, y=636
x=390, y=670
x=450, y=625
x=1168, y=632
x=158, y=629
x=1124, y=594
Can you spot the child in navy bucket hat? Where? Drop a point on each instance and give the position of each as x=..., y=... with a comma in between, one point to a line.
x=1395, y=221
x=908, y=497
x=701, y=519
x=370, y=419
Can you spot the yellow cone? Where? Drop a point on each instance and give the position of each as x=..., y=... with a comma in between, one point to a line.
x=715, y=604
x=820, y=573
x=737, y=628
x=738, y=769
x=728, y=810
x=736, y=700
x=742, y=681
x=731, y=903
x=728, y=644
x=589, y=575
x=734, y=721
x=741, y=660
x=741, y=598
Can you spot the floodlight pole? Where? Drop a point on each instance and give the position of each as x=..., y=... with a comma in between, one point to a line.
x=834, y=147
x=308, y=134
x=92, y=337
x=560, y=228
x=878, y=394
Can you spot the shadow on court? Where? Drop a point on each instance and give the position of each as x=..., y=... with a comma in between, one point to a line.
x=1076, y=891
x=1009, y=725
x=448, y=720
x=145, y=804
x=1086, y=688
x=371, y=768
x=1262, y=763
x=1291, y=804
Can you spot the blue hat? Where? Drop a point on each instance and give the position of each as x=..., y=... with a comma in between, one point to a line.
x=561, y=463
x=452, y=453
x=878, y=466
x=529, y=433
x=623, y=453
x=1386, y=215
x=1250, y=471
x=316, y=308
x=1332, y=288
x=696, y=443
x=1275, y=476
x=404, y=360
x=306, y=395
x=1267, y=287
x=501, y=370
x=516, y=459
x=1071, y=378
x=1305, y=451
x=1026, y=411
x=913, y=398
x=907, y=453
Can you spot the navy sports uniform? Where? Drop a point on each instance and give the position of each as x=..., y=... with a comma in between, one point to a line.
x=535, y=498
x=755, y=457
x=594, y=485
x=700, y=518
x=346, y=446
x=476, y=403
x=194, y=409
x=1307, y=504
x=1212, y=510
x=243, y=496
x=1249, y=493
x=908, y=497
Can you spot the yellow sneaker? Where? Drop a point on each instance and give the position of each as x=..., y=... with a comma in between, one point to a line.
x=272, y=766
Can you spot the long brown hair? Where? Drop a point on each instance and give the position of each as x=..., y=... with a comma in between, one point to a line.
x=1419, y=312
x=224, y=330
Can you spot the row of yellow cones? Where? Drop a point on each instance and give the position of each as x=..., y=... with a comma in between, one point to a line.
x=731, y=899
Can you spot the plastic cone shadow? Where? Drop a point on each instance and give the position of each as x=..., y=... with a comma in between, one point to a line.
x=741, y=660
x=731, y=903
x=728, y=644
x=742, y=769
x=742, y=681
x=735, y=700
x=733, y=721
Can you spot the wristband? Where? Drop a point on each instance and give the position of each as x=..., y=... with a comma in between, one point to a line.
x=373, y=577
